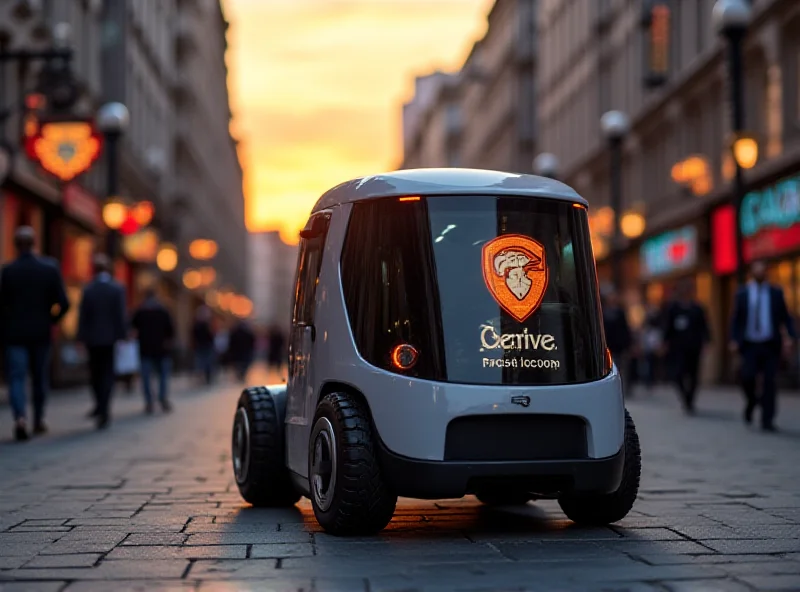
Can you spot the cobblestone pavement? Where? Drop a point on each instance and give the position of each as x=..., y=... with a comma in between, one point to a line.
x=151, y=505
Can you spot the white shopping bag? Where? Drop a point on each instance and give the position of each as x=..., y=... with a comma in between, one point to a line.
x=126, y=357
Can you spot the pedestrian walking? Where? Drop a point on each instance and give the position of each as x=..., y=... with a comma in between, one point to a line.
x=618, y=337
x=101, y=324
x=686, y=333
x=203, y=344
x=33, y=300
x=759, y=315
x=155, y=331
x=242, y=348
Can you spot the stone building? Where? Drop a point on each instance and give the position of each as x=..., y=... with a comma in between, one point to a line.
x=484, y=117
x=165, y=61
x=432, y=133
x=667, y=71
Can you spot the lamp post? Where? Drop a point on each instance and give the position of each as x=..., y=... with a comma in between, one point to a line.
x=615, y=126
x=112, y=121
x=546, y=165
x=731, y=19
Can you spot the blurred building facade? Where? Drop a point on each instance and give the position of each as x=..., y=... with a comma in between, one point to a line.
x=272, y=279
x=670, y=76
x=484, y=115
x=177, y=153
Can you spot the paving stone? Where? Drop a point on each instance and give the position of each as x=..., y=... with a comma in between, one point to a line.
x=211, y=569
x=173, y=552
x=135, y=586
x=155, y=539
x=751, y=546
x=32, y=586
x=247, y=538
x=71, y=560
x=276, y=550
x=13, y=562
x=773, y=583
x=273, y=584
x=707, y=586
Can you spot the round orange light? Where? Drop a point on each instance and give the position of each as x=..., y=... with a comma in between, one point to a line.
x=114, y=214
x=192, y=279
x=404, y=356
x=202, y=249
x=142, y=212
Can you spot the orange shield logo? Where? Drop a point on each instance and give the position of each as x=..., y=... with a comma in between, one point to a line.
x=515, y=272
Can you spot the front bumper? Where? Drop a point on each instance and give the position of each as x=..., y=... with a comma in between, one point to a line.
x=424, y=479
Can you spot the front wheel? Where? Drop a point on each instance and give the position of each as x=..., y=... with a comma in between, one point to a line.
x=258, y=452
x=348, y=493
x=600, y=510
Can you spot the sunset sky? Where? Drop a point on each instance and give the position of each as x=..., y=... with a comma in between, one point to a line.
x=317, y=88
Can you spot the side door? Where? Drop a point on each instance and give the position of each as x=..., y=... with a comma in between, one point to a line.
x=302, y=338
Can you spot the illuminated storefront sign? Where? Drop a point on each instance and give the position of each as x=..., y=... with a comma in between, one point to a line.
x=777, y=207
x=669, y=252
x=65, y=149
x=770, y=223
x=657, y=28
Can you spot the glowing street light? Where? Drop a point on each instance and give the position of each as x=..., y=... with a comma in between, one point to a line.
x=745, y=151
x=632, y=225
x=167, y=258
x=114, y=213
x=203, y=249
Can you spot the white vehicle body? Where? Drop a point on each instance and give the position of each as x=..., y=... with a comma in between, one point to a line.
x=422, y=454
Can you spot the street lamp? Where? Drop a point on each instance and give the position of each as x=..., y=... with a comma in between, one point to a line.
x=615, y=126
x=546, y=165
x=112, y=120
x=731, y=19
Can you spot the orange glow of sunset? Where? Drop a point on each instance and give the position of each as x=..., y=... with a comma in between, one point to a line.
x=317, y=88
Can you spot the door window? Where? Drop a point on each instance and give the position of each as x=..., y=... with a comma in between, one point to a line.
x=308, y=268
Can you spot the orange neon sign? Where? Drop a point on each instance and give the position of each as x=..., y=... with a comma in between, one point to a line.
x=65, y=149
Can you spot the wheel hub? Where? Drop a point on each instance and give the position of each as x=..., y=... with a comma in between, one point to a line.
x=323, y=463
x=241, y=445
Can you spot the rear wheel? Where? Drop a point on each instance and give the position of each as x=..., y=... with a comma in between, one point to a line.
x=258, y=452
x=504, y=498
x=599, y=510
x=348, y=493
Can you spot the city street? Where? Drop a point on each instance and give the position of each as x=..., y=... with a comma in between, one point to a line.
x=150, y=504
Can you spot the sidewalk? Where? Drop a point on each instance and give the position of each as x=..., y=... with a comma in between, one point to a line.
x=180, y=381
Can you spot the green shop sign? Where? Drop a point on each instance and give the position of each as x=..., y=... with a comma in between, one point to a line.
x=776, y=207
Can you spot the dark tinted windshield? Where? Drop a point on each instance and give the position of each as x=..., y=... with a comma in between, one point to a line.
x=490, y=290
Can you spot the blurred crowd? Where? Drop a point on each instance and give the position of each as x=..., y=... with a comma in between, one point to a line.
x=119, y=346
x=669, y=344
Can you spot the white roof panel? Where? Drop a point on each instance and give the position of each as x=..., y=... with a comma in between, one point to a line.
x=450, y=181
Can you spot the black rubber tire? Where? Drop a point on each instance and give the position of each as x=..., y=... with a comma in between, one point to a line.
x=362, y=503
x=503, y=498
x=267, y=483
x=600, y=510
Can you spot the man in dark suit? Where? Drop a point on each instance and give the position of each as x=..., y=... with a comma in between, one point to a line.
x=100, y=325
x=32, y=300
x=759, y=314
x=155, y=332
x=685, y=334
